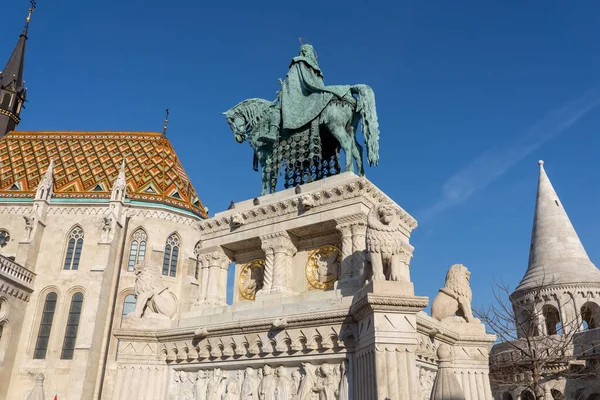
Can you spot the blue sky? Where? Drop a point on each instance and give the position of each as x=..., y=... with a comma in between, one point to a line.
x=470, y=95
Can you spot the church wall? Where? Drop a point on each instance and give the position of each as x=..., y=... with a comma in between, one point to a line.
x=76, y=378
x=12, y=313
x=11, y=219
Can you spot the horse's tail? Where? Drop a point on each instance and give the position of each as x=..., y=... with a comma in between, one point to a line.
x=370, y=126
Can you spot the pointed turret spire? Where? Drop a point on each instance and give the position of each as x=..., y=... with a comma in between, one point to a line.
x=556, y=254
x=45, y=188
x=12, y=85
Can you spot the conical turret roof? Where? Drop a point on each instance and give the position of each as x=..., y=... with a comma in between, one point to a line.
x=556, y=255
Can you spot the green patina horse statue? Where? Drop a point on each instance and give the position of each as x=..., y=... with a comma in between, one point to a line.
x=303, y=104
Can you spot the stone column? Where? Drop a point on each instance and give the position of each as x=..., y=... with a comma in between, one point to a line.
x=214, y=264
x=386, y=349
x=279, y=250
x=347, y=249
x=353, y=229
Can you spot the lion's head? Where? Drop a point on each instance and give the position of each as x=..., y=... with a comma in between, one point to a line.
x=457, y=280
x=386, y=213
x=147, y=277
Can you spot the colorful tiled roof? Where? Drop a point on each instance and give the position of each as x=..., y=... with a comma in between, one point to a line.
x=86, y=165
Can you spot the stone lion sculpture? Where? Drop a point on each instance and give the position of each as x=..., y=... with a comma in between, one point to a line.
x=385, y=244
x=455, y=297
x=153, y=299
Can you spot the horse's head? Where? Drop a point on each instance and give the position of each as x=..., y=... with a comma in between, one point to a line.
x=238, y=125
x=248, y=119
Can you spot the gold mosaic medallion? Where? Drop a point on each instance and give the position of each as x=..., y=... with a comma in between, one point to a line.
x=323, y=267
x=251, y=279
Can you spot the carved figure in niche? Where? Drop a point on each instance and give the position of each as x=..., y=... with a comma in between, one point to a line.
x=344, y=393
x=295, y=383
x=454, y=297
x=251, y=279
x=328, y=384
x=323, y=267
x=188, y=389
x=249, y=386
x=268, y=385
x=153, y=299
x=29, y=222
x=284, y=385
x=384, y=244
x=232, y=392
x=106, y=226
x=216, y=385
x=174, y=395
x=308, y=382
x=201, y=385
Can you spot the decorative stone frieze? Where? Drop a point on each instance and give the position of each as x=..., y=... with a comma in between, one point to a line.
x=305, y=381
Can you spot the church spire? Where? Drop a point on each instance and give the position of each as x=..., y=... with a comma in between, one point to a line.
x=12, y=86
x=556, y=254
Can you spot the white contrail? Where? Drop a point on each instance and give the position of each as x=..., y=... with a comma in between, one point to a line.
x=496, y=161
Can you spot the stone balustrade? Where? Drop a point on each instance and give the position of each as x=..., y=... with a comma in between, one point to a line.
x=19, y=278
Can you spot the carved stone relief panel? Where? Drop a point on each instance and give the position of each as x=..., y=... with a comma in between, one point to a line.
x=323, y=267
x=307, y=381
x=426, y=377
x=251, y=278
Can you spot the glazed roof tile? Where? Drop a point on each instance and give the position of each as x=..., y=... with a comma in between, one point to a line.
x=86, y=164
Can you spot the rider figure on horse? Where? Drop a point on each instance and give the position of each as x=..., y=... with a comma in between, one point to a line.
x=303, y=94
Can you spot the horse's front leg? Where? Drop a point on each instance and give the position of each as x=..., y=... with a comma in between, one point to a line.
x=265, y=181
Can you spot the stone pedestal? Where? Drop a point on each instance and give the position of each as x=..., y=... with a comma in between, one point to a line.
x=385, y=358
x=303, y=323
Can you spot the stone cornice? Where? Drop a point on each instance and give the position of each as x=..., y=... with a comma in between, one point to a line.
x=238, y=327
x=321, y=199
x=89, y=209
x=373, y=302
x=574, y=288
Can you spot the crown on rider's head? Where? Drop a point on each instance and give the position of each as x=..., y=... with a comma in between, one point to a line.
x=306, y=47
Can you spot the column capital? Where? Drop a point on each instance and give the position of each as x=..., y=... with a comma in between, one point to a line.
x=349, y=221
x=278, y=242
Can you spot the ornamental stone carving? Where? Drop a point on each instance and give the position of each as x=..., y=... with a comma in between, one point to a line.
x=454, y=297
x=306, y=382
x=279, y=250
x=213, y=277
x=251, y=279
x=153, y=299
x=389, y=254
x=323, y=267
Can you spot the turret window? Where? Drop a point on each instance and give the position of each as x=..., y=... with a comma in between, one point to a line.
x=137, y=250
x=6, y=100
x=41, y=345
x=72, y=327
x=590, y=315
x=171, y=256
x=552, y=319
x=74, y=246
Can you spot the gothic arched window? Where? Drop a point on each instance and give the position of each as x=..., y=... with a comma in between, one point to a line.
x=128, y=305
x=171, y=255
x=72, y=327
x=41, y=345
x=74, y=246
x=137, y=251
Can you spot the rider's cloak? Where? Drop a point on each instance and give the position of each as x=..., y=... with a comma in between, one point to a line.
x=304, y=94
